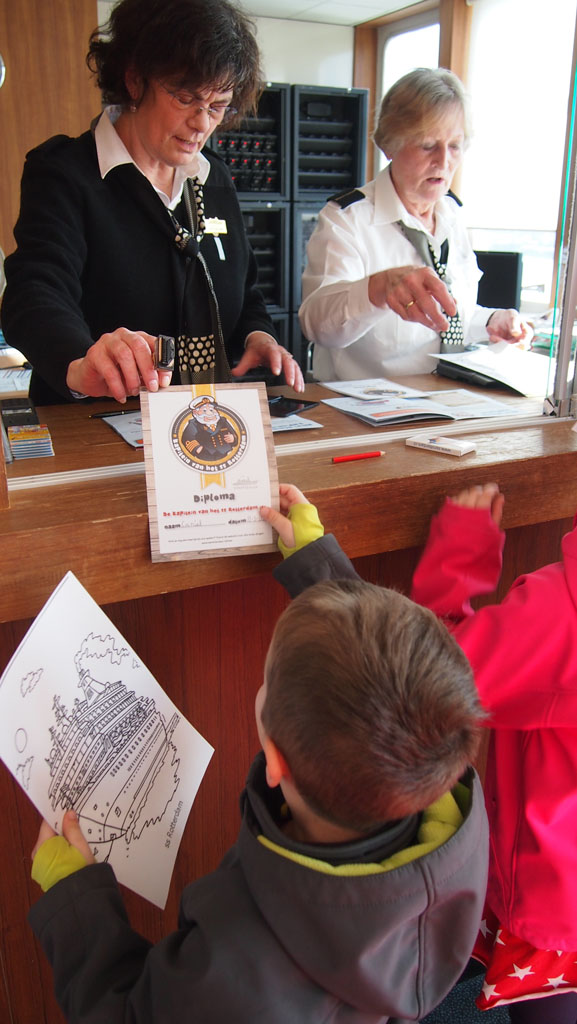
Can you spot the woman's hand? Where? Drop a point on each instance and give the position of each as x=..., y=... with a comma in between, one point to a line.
x=416, y=294
x=262, y=350
x=117, y=366
x=508, y=325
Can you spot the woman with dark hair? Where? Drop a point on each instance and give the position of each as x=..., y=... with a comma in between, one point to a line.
x=131, y=230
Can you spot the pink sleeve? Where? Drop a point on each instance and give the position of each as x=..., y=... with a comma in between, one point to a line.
x=522, y=653
x=523, y=650
x=462, y=559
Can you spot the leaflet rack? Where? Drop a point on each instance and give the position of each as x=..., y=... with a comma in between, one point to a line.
x=267, y=227
x=306, y=143
x=329, y=132
x=256, y=150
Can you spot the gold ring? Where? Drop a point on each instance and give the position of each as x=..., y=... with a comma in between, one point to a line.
x=409, y=304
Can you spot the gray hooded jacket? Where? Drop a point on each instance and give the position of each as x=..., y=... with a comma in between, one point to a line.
x=269, y=939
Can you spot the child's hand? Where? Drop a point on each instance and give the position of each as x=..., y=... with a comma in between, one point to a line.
x=297, y=523
x=486, y=496
x=55, y=857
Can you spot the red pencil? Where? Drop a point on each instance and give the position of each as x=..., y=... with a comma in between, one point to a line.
x=360, y=455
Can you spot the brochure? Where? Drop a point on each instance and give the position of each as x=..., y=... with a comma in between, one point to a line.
x=371, y=389
x=437, y=405
x=294, y=422
x=128, y=425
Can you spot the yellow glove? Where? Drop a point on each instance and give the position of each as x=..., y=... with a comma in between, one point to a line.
x=55, y=859
x=306, y=525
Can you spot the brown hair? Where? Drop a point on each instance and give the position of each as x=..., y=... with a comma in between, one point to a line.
x=193, y=44
x=415, y=103
x=371, y=702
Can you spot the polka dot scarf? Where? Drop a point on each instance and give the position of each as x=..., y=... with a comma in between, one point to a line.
x=453, y=339
x=201, y=356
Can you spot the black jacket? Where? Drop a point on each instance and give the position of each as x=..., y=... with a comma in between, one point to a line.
x=94, y=255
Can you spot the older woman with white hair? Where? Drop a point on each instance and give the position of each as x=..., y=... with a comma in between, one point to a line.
x=391, y=276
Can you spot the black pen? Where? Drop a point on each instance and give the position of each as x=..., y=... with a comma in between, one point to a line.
x=102, y=415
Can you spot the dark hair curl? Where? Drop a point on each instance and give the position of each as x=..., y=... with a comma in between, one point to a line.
x=193, y=44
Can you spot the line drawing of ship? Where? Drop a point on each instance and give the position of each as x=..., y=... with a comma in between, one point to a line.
x=112, y=757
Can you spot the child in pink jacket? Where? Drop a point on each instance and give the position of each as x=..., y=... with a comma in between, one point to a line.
x=524, y=656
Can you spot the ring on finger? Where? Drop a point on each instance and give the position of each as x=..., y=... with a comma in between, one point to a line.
x=409, y=304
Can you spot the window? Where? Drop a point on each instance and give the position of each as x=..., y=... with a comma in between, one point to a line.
x=519, y=78
x=403, y=46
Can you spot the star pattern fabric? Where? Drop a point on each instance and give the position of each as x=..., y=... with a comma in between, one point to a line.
x=516, y=970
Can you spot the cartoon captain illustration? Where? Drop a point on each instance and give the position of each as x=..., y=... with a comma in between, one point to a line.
x=208, y=434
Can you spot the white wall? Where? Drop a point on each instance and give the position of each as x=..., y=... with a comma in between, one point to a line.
x=300, y=52
x=306, y=52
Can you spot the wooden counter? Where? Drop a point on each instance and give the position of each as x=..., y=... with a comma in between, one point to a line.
x=202, y=627
x=99, y=528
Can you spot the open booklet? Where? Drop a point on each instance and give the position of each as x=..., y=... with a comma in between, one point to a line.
x=529, y=373
x=85, y=725
x=378, y=400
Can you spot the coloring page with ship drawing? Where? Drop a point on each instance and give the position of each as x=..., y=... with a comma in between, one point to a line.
x=85, y=725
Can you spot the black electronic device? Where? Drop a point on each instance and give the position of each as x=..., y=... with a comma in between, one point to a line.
x=18, y=412
x=457, y=372
x=280, y=405
x=164, y=352
x=500, y=285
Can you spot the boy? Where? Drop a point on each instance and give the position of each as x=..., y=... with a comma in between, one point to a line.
x=355, y=889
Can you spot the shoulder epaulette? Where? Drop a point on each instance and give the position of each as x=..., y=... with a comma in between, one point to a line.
x=344, y=199
x=456, y=198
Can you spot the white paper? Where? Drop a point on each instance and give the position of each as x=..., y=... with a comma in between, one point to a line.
x=128, y=425
x=14, y=380
x=372, y=389
x=529, y=373
x=294, y=422
x=202, y=507
x=84, y=725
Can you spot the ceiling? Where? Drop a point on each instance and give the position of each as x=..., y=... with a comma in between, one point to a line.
x=332, y=12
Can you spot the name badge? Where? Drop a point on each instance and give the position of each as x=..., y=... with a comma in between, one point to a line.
x=215, y=226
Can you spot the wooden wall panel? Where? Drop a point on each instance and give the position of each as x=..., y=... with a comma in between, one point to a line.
x=455, y=22
x=206, y=647
x=4, y=501
x=48, y=88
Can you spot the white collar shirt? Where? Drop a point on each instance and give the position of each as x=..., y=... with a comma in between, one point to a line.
x=353, y=338
x=112, y=152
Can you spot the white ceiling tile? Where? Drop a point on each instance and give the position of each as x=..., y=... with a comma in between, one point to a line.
x=335, y=12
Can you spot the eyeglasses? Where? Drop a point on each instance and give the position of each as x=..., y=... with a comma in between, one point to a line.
x=220, y=113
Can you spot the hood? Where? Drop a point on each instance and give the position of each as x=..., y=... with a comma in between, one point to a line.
x=390, y=943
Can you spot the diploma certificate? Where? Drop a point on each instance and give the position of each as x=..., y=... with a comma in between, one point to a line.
x=210, y=465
